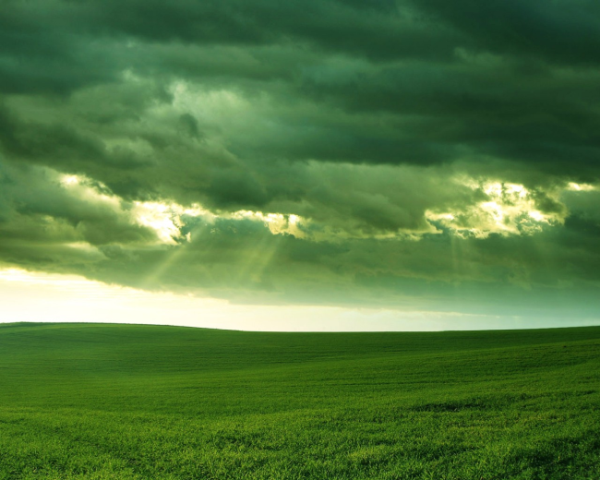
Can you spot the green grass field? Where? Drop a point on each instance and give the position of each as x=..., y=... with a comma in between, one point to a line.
x=146, y=402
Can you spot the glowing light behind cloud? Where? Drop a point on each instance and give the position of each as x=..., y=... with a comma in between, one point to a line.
x=510, y=210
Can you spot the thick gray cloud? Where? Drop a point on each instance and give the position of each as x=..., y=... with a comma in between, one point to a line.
x=425, y=154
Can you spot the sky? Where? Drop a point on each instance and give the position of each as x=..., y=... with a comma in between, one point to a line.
x=301, y=165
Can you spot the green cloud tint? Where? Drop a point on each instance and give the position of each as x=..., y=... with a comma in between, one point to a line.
x=421, y=155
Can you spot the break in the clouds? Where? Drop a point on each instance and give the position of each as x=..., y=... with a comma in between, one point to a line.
x=430, y=155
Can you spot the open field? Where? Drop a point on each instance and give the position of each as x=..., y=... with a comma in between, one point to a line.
x=139, y=402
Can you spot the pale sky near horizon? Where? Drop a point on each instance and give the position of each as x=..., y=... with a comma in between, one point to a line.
x=39, y=297
x=314, y=164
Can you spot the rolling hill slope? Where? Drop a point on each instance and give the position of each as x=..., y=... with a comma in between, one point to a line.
x=107, y=401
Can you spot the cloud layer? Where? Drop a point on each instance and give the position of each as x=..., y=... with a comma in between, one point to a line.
x=421, y=155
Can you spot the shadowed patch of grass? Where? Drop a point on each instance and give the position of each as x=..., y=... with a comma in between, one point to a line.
x=137, y=402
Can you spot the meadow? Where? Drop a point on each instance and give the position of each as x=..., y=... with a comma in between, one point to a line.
x=102, y=401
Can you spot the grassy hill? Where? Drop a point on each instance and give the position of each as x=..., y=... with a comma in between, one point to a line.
x=99, y=401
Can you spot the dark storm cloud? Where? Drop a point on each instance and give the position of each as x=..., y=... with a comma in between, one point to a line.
x=35, y=207
x=465, y=88
x=398, y=132
x=561, y=31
